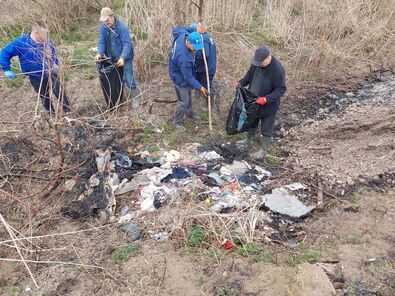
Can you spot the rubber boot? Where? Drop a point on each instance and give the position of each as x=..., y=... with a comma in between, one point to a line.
x=249, y=138
x=135, y=93
x=264, y=147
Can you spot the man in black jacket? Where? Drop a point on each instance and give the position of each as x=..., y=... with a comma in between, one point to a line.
x=265, y=79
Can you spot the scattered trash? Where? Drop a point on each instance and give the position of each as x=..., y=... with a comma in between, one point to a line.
x=172, y=156
x=352, y=209
x=154, y=197
x=227, y=202
x=126, y=218
x=67, y=211
x=134, y=233
x=209, y=155
x=180, y=173
x=227, y=244
x=160, y=235
x=123, y=160
x=286, y=205
x=295, y=186
x=123, y=211
x=236, y=168
x=133, y=184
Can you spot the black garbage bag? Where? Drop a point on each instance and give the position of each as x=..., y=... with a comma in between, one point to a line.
x=242, y=113
x=111, y=78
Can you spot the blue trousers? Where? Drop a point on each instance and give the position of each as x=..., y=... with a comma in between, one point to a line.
x=128, y=75
x=57, y=89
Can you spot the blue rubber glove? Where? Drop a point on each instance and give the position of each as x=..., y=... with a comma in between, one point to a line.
x=9, y=74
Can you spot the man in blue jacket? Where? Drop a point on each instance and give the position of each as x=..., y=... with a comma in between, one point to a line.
x=181, y=70
x=115, y=43
x=265, y=79
x=210, y=50
x=38, y=59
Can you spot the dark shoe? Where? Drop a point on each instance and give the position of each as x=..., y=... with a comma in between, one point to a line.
x=179, y=127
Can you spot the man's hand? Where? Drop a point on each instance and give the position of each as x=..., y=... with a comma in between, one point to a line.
x=236, y=85
x=261, y=101
x=121, y=62
x=204, y=91
x=98, y=57
x=9, y=74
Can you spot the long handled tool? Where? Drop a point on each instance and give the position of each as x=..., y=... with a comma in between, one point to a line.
x=210, y=123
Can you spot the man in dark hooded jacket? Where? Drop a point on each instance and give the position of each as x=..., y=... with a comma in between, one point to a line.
x=181, y=70
x=265, y=79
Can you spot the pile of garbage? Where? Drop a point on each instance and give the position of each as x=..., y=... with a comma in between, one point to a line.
x=214, y=175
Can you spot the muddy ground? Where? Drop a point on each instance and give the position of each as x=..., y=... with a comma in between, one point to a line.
x=343, y=140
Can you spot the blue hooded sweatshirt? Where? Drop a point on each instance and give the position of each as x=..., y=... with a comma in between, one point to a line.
x=115, y=43
x=210, y=49
x=181, y=61
x=31, y=56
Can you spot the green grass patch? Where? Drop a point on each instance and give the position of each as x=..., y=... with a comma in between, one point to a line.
x=248, y=250
x=254, y=252
x=153, y=148
x=119, y=256
x=306, y=256
x=165, y=248
x=217, y=255
x=195, y=236
x=200, y=280
x=351, y=239
x=10, y=33
x=146, y=136
x=228, y=291
x=273, y=160
x=15, y=290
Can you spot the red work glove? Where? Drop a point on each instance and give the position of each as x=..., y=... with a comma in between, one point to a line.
x=261, y=101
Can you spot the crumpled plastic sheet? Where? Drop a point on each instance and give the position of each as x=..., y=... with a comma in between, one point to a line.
x=123, y=160
x=154, y=196
x=285, y=204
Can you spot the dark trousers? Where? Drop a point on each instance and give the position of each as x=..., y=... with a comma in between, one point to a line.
x=202, y=78
x=57, y=89
x=267, y=124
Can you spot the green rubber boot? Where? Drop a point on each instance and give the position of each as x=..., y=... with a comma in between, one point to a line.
x=261, y=153
x=249, y=138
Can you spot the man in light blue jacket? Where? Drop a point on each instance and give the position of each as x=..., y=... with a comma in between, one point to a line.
x=116, y=45
x=38, y=59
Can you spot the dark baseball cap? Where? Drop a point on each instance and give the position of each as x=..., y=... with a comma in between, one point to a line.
x=261, y=53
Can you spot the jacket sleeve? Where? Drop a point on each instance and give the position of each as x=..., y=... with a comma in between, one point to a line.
x=186, y=68
x=246, y=80
x=7, y=53
x=101, y=44
x=279, y=87
x=126, y=53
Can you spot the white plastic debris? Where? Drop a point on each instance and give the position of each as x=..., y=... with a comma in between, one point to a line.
x=295, y=186
x=209, y=155
x=236, y=168
x=286, y=205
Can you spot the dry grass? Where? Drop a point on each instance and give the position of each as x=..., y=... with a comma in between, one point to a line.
x=318, y=41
